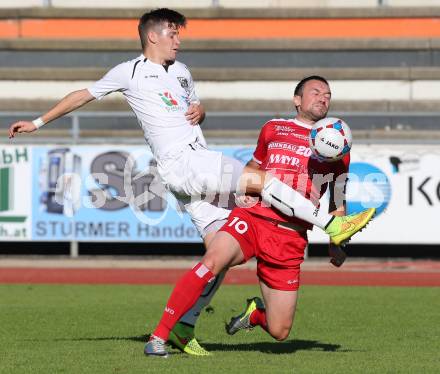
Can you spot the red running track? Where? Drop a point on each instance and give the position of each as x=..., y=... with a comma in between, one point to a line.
x=235, y=276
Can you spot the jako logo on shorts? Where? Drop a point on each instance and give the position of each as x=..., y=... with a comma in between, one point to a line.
x=368, y=187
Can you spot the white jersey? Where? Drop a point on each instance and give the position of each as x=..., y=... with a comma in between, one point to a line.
x=159, y=98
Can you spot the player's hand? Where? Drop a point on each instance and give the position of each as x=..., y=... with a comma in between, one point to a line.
x=246, y=201
x=195, y=114
x=21, y=126
x=337, y=255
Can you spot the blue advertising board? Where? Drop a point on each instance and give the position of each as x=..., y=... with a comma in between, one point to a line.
x=111, y=193
x=91, y=193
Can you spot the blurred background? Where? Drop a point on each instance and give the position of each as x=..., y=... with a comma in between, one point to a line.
x=382, y=58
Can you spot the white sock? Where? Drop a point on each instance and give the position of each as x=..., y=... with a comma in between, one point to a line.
x=292, y=203
x=190, y=317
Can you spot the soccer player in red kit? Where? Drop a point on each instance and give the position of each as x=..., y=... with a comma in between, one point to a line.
x=277, y=241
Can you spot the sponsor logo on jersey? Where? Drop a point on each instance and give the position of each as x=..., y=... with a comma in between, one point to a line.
x=184, y=83
x=288, y=130
x=300, y=150
x=302, y=137
x=168, y=99
x=172, y=105
x=152, y=76
x=284, y=128
x=280, y=145
x=276, y=158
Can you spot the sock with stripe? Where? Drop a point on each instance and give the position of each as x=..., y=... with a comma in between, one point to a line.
x=186, y=292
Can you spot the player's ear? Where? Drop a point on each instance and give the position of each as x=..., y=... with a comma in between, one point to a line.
x=297, y=101
x=152, y=37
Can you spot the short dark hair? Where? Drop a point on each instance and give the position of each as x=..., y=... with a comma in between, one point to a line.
x=299, y=89
x=156, y=17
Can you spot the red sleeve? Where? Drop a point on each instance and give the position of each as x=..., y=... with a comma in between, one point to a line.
x=345, y=164
x=337, y=194
x=340, y=167
x=342, y=170
x=261, y=149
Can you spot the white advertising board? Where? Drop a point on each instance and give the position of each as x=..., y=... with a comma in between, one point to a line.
x=15, y=193
x=403, y=182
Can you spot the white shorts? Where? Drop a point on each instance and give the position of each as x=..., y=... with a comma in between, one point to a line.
x=203, y=214
x=201, y=178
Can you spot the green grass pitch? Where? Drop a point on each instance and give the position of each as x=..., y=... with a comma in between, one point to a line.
x=101, y=329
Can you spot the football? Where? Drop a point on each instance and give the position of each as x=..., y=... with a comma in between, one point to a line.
x=330, y=139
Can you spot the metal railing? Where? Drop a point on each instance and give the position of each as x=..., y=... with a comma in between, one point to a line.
x=74, y=131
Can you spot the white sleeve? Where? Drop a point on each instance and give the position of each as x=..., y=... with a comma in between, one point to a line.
x=116, y=79
x=193, y=98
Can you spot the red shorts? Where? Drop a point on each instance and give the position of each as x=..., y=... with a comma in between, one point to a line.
x=279, y=250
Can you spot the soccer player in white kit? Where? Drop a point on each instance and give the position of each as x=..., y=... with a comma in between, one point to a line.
x=160, y=91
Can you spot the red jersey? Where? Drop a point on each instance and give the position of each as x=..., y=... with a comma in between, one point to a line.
x=283, y=149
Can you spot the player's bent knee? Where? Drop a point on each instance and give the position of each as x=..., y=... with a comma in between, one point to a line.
x=214, y=263
x=210, y=264
x=280, y=333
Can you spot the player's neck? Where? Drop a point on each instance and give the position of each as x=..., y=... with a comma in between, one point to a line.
x=304, y=120
x=157, y=59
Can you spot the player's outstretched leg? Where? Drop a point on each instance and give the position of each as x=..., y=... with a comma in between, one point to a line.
x=186, y=292
x=183, y=336
x=156, y=347
x=243, y=321
x=292, y=203
x=342, y=228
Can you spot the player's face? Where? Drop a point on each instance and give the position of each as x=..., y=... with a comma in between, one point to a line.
x=314, y=103
x=168, y=42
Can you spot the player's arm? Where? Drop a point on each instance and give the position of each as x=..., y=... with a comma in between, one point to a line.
x=69, y=103
x=252, y=164
x=253, y=178
x=196, y=112
x=248, y=200
x=251, y=170
x=116, y=79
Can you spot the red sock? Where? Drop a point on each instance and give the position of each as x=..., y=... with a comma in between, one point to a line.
x=186, y=292
x=258, y=318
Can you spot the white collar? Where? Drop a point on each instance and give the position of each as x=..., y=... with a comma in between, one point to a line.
x=302, y=124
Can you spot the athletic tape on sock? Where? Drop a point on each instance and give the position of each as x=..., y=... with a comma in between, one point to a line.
x=201, y=271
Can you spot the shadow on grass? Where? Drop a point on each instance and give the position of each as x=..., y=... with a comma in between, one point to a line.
x=289, y=346
x=140, y=338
